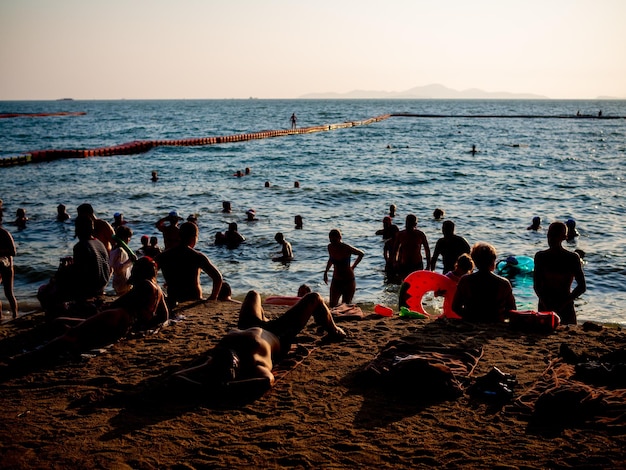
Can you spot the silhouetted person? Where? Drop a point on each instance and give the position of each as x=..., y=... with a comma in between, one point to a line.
x=555, y=270
x=450, y=246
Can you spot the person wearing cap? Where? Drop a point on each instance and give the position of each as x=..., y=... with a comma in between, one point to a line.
x=168, y=226
x=181, y=268
x=102, y=230
x=555, y=270
x=118, y=220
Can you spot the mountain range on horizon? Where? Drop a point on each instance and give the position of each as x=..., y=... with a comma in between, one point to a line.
x=433, y=91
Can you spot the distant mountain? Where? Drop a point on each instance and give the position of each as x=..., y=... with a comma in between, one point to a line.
x=433, y=91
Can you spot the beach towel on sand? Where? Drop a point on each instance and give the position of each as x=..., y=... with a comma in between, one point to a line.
x=577, y=391
x=422, y=371
x=347, y=312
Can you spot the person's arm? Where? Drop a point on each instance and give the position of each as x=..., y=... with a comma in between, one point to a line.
x=359, y=256
x=579, y=277
x=458, y=303
x=328, y=265
x=426, y=250
x=215, y=275
x=433, y=260
x=261, y=382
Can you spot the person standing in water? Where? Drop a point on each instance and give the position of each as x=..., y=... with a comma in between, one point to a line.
x=555, y=270
x=343, y=284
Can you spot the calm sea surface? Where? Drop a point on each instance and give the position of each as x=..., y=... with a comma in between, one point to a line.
x=553, y=168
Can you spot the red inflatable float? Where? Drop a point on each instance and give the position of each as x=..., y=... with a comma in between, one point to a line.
x=417, y=283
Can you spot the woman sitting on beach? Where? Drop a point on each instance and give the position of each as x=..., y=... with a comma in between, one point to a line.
x=140, y=309
x=483, y=296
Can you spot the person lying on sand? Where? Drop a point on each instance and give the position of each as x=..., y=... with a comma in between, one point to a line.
x=243, y=359
x=141, y=308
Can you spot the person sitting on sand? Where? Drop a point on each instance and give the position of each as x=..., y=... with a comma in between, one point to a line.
x=168, y=226
x=286, y=253
x=102, y=230
x=79, y=277
x=7, y=253
x=450, y=246
x=121, y=262
x=483, y=296
x=141, y=308
x=555, y=270
x=343, y=284
x=407, y=250
x=243, y=359
x=181, y=268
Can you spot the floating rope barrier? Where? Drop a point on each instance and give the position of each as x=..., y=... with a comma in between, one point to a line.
x=143, y=146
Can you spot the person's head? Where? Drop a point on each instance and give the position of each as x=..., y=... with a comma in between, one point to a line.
x=226, y=206
x=144, y=240
x=447, y=228
x=188, y=234
x=334, y=235
x=386, y=221
x=303, y=290
x=145, y=268
x=484, y=256
x=279, y=237
x=154, y=241
x=247, y=170
x=83, y=227
x=392, y=210
x=223, y=365
x=267, y=184
x=174, y=218
x=570, y=224
x=225, y=292
x=464, y=263
x=193, y=218
x=410, y=222
x=232, y=227
x=118, y=216
x=536, y=221
x=124, y=232
x=557, y=232
x=250, y=214
x=438, y=214
x=61, y=209
x=86, y=209
x=298, y=221
x=296, y=184
x=20, y=213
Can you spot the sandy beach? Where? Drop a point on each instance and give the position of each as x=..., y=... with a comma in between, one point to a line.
x=117, y=408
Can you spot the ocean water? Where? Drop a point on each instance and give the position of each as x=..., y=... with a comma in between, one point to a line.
x=553, y=168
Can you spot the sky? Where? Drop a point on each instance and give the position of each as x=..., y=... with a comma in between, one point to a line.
x=195, y=49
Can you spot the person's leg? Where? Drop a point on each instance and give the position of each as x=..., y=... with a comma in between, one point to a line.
x=335, y=292
x=349, y=290
x=311, y=305
x=8, y=289
x=251, y=313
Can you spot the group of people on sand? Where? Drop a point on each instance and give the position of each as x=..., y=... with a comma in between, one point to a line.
x=245, y=356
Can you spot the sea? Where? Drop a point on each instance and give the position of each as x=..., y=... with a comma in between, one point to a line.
x=534, y=158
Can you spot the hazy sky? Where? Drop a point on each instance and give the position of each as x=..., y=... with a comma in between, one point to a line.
x=92, y=49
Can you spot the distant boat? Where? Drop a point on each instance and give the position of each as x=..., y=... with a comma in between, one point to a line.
x=65, y=99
